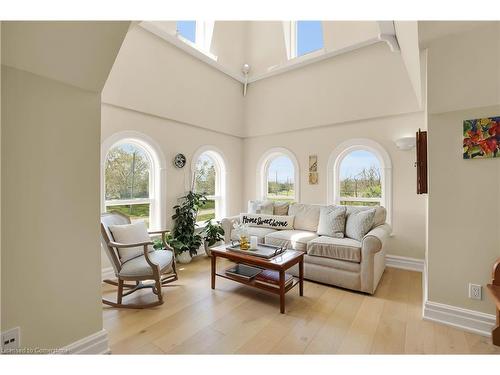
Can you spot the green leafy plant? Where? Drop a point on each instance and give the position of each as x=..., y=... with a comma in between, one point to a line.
x=213, y=232
x=158, y=244
x=183, y=236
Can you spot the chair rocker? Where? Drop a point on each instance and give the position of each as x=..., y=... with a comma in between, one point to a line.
x=155, y=265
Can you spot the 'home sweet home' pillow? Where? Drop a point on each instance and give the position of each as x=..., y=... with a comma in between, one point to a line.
x=267, y=221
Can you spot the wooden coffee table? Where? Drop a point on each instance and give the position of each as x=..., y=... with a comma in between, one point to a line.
x=279, y=263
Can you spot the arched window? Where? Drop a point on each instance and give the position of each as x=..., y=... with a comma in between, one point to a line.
x=279, y=176
x=132, y=178
x=209, y=172
x=360, y=174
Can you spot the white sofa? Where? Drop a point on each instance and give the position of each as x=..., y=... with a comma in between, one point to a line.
x=344, y=262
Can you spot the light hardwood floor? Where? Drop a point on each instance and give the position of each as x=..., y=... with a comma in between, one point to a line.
x=242, y=320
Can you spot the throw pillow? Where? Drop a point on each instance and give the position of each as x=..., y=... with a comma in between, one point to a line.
x=266, y=208
x=281, y=208
x=130, y=233
x=261, y=207
x=267, y=221
x=332, y=221
x=359, y=223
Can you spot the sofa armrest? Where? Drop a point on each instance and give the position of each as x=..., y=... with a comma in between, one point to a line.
x=227, y=225
x=372, y=257
x=375, y=238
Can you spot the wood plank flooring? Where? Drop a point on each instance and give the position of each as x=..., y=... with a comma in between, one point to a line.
x=236, y=319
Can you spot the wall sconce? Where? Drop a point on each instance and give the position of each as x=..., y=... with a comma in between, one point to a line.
x=405, y=143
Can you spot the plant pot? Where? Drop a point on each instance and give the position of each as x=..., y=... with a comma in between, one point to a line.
x=207, y=248
x=184, y=257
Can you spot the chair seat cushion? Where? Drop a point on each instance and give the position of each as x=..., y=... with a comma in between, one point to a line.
x=260, y=233
x=138, y=266
x=292, y=239
x=336, y=248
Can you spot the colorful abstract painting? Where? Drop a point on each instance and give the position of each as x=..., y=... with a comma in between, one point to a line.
x=482, y=138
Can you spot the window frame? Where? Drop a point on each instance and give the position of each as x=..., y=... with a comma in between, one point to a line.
x=221, y=195
x=202, y=36
x=157, y=177
x=334, y=164
x=263, y=171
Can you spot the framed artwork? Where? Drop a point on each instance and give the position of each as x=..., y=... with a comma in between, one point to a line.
x=313, y=178
x=313, y=163
x=313, y=169
x=482, y=138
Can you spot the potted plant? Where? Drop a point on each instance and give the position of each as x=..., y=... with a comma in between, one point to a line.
x=183, y=238
x=213, y=234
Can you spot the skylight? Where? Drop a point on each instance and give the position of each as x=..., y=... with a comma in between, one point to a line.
x=187, y=29
x=309, y=37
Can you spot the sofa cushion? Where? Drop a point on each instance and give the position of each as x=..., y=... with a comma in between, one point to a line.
x=140, y=267
x=306, y=216
x=260, y=233
x=333, y=263
x=332, y=221
x=336, y=248
x=281, y=208
x=267, y=221
x=359, y=223
x=380, y=213
x=292, y=239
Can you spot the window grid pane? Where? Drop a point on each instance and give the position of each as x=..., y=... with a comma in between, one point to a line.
x=127, y=173
x=136, y=212
x=360, y=176
x=309, y=37
x=187, y=29
x=205, y=175
x=280, y=184
x=207, y=212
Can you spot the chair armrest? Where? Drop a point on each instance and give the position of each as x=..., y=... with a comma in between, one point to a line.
x=162, y=231
x=125, y=245
x=227, y=225
x=375, y=238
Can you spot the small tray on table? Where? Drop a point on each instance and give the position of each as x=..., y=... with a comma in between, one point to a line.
x=262, y=250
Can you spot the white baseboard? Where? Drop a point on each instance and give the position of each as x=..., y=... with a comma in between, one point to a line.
x=107, y=273
x=96, y=343
x=411, y=264
x=467, y=320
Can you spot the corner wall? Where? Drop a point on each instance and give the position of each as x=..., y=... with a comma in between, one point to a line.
x=464, y=218
x=50, y=209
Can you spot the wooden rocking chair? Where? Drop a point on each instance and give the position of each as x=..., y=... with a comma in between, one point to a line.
x=156, y=265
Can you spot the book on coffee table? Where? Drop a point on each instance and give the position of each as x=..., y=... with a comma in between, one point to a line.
x=243, y=271
x=272, y=278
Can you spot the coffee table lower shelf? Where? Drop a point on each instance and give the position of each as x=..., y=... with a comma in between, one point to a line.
x=257, y=285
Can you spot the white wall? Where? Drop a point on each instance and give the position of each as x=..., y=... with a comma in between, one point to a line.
x=408, y=207
x=464, y=219
x=367, y=83
x=152, y=76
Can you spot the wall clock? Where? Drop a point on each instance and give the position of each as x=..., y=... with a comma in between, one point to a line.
x=180, y=160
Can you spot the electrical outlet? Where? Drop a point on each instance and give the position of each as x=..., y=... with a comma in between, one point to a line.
x=11, y=339
x=475, y=291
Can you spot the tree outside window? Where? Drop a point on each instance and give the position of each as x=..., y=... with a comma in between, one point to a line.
x=127, y=181
x=360, y=179
x=280, y=179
